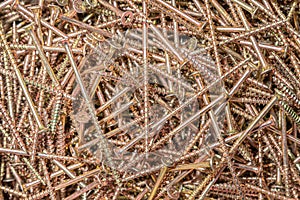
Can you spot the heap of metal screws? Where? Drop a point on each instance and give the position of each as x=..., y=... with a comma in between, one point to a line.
x=249, y=47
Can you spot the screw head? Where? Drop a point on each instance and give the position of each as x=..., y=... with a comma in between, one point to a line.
x=79, y=6
x=127, y=18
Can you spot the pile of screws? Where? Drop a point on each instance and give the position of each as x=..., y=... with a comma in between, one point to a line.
x=149, y=99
